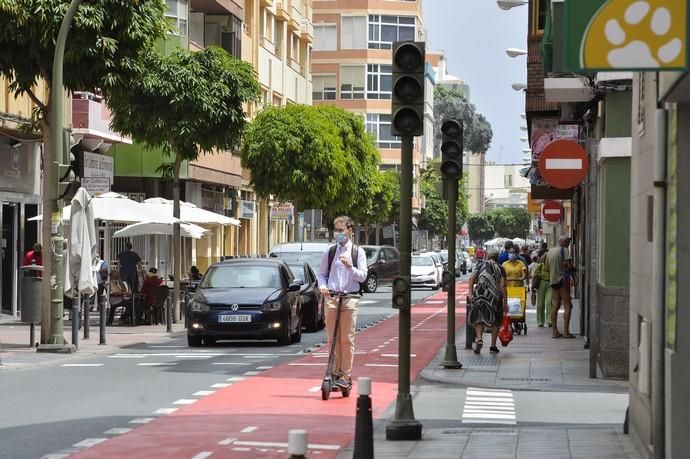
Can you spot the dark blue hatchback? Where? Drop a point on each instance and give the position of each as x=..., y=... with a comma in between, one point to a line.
x=246, y=299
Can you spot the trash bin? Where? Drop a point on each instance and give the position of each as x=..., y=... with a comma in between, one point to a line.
x=30, y=291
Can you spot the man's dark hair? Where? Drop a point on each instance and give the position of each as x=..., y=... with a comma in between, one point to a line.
x=508, y=245
x=128, y=245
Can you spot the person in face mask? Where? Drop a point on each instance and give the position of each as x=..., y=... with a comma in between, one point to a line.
x=343, y=268
x=516, y=271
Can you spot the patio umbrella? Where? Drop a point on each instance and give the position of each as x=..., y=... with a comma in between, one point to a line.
x=111, y=207
x=161, y=207
x=161, y=228
x=81, y=245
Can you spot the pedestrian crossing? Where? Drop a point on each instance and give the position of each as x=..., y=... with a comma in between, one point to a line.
x=488, y=406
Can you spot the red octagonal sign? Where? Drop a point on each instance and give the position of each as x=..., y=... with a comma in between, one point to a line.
x=552, y=211
x=563, y=164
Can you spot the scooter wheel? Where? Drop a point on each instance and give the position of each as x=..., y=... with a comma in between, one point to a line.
x=325, y=390
x=346, y=392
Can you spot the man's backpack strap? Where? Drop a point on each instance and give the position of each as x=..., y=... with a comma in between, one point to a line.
x=354, y=254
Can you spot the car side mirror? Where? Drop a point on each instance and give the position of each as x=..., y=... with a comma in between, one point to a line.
x=294, y=287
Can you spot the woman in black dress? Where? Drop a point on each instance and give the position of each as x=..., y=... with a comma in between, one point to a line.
x=488, y=300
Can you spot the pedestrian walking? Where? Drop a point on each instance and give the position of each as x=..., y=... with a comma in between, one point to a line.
x=99, y=268
x=34, y=256
x=488, y=300
x=129, y=263
x=559, y=264
x=515, y=269
x=341, y=274
x=503, y=256
x=542, y=285
x=531, y=270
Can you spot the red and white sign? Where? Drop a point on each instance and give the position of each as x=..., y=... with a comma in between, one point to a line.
x=552, y=211
x=563, y=164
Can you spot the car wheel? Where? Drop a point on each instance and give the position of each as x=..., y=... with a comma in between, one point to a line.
x=285, y=335
x=209, y=340
x=435, y=287
x=313, y=324
x=372, y=283
x=297, y=336
x=193, y=341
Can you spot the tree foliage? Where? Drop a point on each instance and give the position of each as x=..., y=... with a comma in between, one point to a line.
x=451, y=103
x=104, y=46
x=510, y=222
x=480, y=227
x=434, y=215
x=316, y=157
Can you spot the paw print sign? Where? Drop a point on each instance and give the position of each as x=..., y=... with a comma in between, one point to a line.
x=628, y=34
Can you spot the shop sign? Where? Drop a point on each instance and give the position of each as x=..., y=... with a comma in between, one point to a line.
x=533, y=206
x=96, y=185
x=96, y=165
x=17, y=172
x=247, y=209
x=282, y=212
x=617, y=35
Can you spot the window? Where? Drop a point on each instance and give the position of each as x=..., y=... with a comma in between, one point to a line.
x=379, y=81
x=294, y=53
x=384, y=30
x=325, y=38
x=379, y=126
x=323, y=87
x=540, y=10
x=353, y=33
x=508, y=181
x=177, y=15
x=352, y=82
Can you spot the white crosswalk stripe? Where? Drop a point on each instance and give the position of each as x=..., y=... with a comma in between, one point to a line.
x=488, y=406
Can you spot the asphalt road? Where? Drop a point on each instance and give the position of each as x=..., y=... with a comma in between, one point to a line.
x=48, y=409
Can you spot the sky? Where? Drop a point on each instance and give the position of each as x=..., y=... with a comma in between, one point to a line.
x=474, y=35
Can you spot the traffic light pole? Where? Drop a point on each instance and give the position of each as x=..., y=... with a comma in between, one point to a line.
x=404, y=426
x=451, y=358
x=54, y=336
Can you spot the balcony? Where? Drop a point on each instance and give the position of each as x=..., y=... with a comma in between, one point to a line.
x=282, y=13
x=567, y=90
x=91, y=118
x=267, y=3
x=307, y=31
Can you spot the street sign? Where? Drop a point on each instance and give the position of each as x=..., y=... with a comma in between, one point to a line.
x=615, y=35
x=533, y=206
x=552, y=211
x=563, y=164
x=96, y=185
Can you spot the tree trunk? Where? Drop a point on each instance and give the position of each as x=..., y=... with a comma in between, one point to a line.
x=177, y=240
x=48, y=182
x=299, y=229
x=366, y=234
x=377, y=228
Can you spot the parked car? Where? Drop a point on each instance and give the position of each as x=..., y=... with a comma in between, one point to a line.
x=246, y=299
x=439, y=266
x=313, y=312
x=383, y=264
x=424, y=272
x=309, y=252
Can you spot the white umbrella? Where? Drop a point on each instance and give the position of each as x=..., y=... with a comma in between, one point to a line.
x=110, y=207
x=160, y=228
x=161, y=207
x=81, y=245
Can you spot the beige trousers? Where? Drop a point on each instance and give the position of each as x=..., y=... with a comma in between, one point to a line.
x=345, y=344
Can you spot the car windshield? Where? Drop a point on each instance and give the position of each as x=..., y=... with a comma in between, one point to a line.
x=294, y=258
x=370, y=252
x=422, y=261
x=297, y=270
x=242, y=276
x=444, y=256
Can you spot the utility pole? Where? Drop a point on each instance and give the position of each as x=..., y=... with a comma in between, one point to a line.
x=407, y=122
x=53, y=338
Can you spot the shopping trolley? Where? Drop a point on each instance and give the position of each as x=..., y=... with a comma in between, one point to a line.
x=517, y=304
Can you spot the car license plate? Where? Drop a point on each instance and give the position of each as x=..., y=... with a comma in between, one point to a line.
x=234, y=318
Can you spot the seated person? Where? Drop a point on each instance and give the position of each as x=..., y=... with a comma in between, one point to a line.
x=194, y=274
x=152, y=281
x=118, y=292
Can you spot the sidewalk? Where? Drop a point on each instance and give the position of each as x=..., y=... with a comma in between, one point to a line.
x=16, y=353
x=529, y=366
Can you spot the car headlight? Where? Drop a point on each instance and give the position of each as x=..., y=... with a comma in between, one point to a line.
x=198, y=306
x=272, y=306
x=431, y=273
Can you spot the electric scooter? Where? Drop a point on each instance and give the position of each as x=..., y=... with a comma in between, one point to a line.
x=328, y=385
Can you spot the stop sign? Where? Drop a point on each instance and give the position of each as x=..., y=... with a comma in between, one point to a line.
x=563, y=164
x=552, y=211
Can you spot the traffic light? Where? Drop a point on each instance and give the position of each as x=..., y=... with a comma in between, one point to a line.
x=408, y=88
x=68, y=180
x=451, y=149
x=401, y=293
x=447, y=281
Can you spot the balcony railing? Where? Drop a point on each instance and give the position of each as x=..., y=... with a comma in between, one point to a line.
x=282, y=13
x=307, y=31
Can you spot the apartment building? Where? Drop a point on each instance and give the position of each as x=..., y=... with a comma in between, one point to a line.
x=351, y=67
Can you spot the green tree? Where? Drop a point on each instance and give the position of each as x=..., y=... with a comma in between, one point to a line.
x=480, y=227
x=186, y=103
x=104, y=46
x=451, y=103
x=510, y=222
x=382, y=189
x=434, y=215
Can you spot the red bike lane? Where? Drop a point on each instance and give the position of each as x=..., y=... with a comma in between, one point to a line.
x=251, y=418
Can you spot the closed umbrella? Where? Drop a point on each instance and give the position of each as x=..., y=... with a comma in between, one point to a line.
x=81, y=245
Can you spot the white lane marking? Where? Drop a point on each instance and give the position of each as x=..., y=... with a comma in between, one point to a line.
x=203, y=455
x=251, y=373
x=487, y=416
x=165, y=410
x=185, y=401
x=241, y=449
x=56, y=456
x=564, y=163
x=396, y=355
x=299, y=364
x=220, y=385
x=89, y=442
x=203, y=393
x=156, y=364
x=315, y=389
x=264, y=356
x=236, y=378
x=81, y=365
x=267, y=367
x=127, y=356
x=484, y=393
x=117, y=431
x=244, y=364
x=227, y=441
x=381, y=365
x=268, y=444
x=193, y=356
x=489, y=406
x=208, y=354
x=169, y=346
x=141, y=420
x=434, y=302
x=249, y=429
x=367, y=301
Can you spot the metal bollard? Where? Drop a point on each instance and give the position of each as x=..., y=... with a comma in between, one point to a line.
x=103, y=300
x=76, y=306
x=364, y=424
x=169, y=312
x=87, y=318
x=186, y=308
x=469, y=330
x=297, y=444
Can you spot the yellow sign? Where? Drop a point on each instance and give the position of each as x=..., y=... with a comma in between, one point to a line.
x=533, y=207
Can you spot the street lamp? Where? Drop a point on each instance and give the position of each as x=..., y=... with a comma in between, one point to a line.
x=523, y=116
x=519, y=86
x=508, y=4
x=515, y=52
x=527, y=150
x=523, y=128
x=523, y=139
